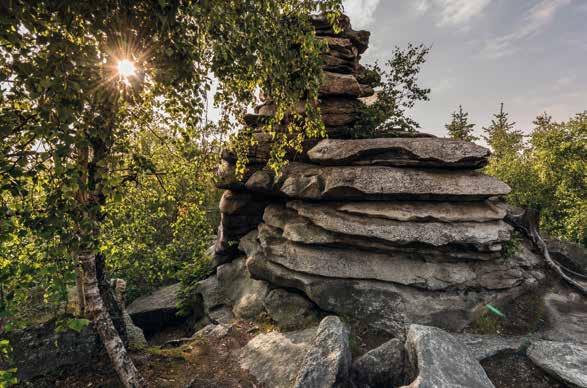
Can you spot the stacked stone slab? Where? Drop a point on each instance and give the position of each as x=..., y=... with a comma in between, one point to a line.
x=386, y=231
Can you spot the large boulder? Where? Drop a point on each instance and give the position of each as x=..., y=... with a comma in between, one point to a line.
x=432, y=152
x=157, y=310
x=327, y=363
x=565, y=361
x=439, y=360
x=40, y=351
x=275, y=358
x=304, y=181
x=335, y=84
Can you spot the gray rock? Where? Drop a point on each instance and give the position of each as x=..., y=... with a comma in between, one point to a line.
x=155, y=311
x=482, y=347
x=568, y=253
x=380, y=367
x=275, y=358
x=349, y=263
x=388, y=307
x=220, y=330
x=40, y=352
x=427, y=152
x=290, y=310
x=483, y=236
x=565, y=361
x=305, y=181
x=245, y=294
x=439, y=360
x=566, y=316
x=335, y=84
x=327, y=364
x=425, y=211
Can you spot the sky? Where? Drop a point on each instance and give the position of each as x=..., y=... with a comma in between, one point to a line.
x=529, y=54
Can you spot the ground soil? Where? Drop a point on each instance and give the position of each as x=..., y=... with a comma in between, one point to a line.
x=512, y=370
x=200, y=363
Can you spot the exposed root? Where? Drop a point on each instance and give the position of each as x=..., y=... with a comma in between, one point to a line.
x=527, y=222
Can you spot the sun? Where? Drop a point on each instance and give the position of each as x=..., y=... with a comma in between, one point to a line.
x=125, y=68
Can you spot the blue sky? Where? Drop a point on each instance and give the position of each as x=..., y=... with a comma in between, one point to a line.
x=530, y=54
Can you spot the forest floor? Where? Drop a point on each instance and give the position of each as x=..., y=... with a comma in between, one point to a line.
x=199, y=363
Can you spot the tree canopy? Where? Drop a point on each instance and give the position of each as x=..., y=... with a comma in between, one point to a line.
x=460, y=127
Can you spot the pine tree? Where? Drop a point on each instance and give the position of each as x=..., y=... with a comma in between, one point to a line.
x=501, y=136
x=459, y=127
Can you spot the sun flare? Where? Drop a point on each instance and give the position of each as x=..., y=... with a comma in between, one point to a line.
x=126, y=68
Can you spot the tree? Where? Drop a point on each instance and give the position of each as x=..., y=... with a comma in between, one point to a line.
x=397, y=91
x=459, y=127
x=71, y=97
x=501, y=136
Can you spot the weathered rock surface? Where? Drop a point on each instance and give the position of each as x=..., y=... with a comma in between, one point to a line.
x=380, y=367
x=566, y=316
x=157, y=310
x=383, y=306
x=424, y=211
x=439, y=360
x=276, y=358
x=41, y=352
x=432, y=152
x=304, y=181
x=482, y=347
x=565, y=361
x=573, y=256
x=482, y=236
x=327, y=364
x=351, y=263
x=336, y=84
x=290, y=310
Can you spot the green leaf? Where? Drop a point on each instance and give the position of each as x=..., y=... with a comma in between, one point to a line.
x=77, y=325
x=494, y=310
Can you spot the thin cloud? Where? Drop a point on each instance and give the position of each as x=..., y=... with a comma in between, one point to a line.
x=535, y=19
x=454, y=12
x=361, y=12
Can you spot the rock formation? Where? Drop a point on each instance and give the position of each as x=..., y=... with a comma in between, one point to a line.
x=386, y=231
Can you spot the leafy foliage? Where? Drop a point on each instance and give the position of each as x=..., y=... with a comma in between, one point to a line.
x=548, y=173
x=459, y=127
x=397, y=93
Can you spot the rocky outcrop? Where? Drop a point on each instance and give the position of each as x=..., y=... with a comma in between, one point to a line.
x=371, y=229
x=289, y=310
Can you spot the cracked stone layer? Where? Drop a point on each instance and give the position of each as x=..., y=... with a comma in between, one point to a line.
x=304, y=181
x=428, y=152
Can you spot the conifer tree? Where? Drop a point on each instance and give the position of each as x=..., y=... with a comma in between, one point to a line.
x=501, y=136
x=460, y=127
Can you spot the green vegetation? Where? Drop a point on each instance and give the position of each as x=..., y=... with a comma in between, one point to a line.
x=397, y=92
x=82, y=84
x=460, y=128
x=547, y=173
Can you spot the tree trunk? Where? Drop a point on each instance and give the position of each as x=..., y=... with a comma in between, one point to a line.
x=81, y=298
x=121, y=361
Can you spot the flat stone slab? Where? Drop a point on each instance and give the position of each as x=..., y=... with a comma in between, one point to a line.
x=349, y=263
x=427, y=152
x=480, y=235
x=425, y=211
x=565, y=361
x=439, y=360
x=304, y=181
x=383, y=306
x=157, y=310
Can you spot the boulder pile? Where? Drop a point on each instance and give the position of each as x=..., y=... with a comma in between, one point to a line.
x=386, y=231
